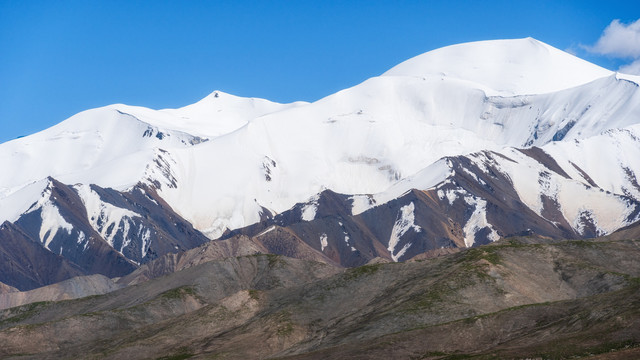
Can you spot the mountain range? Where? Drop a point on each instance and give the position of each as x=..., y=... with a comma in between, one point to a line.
x=455, y=148
x=477, y=201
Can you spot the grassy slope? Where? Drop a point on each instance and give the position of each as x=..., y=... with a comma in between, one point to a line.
x=517, y=298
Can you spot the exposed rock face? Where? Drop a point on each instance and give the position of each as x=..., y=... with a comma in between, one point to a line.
x=25, y=264
x=75, y=240
x=477, y=204
x=154, y=228
x=525, y=297
x=73, y=231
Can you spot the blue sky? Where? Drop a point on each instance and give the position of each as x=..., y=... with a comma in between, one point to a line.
x=58, y=58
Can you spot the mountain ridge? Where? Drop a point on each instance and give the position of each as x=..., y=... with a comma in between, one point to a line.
x=456, y=147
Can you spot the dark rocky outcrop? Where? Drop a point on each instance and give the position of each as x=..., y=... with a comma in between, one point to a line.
x=25, y=264
x=438, y=217
x=37, y=256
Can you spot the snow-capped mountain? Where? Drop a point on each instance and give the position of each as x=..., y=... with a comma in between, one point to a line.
x=453, y=148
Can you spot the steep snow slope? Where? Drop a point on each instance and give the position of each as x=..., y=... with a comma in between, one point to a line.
x=610, y=161
x=95, y=146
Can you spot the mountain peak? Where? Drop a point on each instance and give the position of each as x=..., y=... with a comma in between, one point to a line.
x=508, y=67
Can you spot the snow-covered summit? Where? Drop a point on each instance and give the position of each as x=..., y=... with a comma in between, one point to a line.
x=219, y=113
x=511, y=67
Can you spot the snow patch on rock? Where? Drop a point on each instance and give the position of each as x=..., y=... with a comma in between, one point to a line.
x=404, y=223
x=309, y=209
x=106, y=218
x=52, y=221
x=268, y=230
x=477, y=221
x=323, y=242
x=145, y=241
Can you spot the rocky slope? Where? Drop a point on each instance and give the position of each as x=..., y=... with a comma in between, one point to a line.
x=81, y=230
x=73, y=288
x=525, y=297
x=479, y=201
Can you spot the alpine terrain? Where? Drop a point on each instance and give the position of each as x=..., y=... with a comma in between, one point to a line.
x=224, y=228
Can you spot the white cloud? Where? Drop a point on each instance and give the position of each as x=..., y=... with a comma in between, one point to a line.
x=619, y=40
x=622, y=41
x=632, y=69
